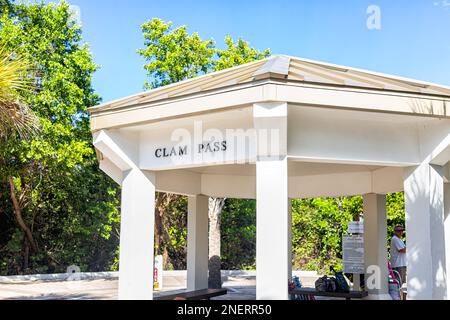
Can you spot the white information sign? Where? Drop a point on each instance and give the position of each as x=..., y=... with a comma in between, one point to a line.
x=355, y=227
x=353, y=249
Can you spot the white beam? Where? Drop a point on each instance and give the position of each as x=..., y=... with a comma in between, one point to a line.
x=120, y=148
x=387, y=180
x=352, y=137
x=179, y=182
x=114, y=172
x=245, y=94
x=441, y=154
x=229, y=186
x=330, y=185
x=242, y=185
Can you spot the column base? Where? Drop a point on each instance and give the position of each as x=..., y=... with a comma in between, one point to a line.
x=378, y=296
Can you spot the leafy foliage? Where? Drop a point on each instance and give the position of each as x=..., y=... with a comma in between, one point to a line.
x=239, y=235
x=318, y=225
x=69, y=206
x=237, y=53
x=174, y=55
x=174, y=245
x=16, y=119
x=395, y=210
x=317, y=228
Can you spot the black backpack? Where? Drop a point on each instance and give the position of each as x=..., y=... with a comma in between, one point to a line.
x=326, y=284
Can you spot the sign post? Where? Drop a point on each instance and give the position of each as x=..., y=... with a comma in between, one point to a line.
x=157, y=273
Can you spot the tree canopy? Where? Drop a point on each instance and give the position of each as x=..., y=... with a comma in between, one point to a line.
x=174, y=55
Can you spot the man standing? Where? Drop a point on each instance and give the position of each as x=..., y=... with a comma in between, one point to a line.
x=398, y=252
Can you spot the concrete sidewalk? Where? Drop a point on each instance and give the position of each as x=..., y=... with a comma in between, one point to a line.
x=106, y=289
x=240, y=288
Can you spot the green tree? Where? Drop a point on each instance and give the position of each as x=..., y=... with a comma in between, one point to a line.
x=172, y=54
x=237, y=53
x=318, y=225
x=395, y=211
x=57, y=207
x=5, y=5
x=239, y=235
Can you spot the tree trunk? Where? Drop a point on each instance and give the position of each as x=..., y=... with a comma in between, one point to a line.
x=215, y=210
x=162, y=237
x=26, y=255
x=158, y=223
x=19, y=217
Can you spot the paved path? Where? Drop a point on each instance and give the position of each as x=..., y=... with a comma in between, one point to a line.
x=240, y=288
x=61, y=290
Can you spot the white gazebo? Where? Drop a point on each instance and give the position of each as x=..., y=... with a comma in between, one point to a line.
x=274, y=130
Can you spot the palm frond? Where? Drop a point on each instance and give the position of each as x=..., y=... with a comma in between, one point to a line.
x=15, y=117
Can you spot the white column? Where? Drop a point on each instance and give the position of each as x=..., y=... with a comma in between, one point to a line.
x=137, y=236
x=289, y=237
x=272, y=231
x=426, y=232
x=375, y=246
x=273, y=244
x=197, y=243
x=447, y=235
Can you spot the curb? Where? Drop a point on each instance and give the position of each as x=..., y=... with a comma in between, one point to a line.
x=60, y=277
x=115, y=275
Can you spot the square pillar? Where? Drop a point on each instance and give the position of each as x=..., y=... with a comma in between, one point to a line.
x=197, y=243
x=427, y=232
x=447, y=235
x=273, y=217
x=273, y=240
x=137, y=236
x=289, y=237
x=375, y=250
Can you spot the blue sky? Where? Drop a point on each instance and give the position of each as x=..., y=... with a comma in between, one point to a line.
x=414, y=39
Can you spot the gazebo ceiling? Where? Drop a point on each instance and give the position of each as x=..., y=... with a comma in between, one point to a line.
x=286, y=69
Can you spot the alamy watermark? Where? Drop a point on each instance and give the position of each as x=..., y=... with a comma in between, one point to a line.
x=213, y=145
x=74, y=276
x=374, y=17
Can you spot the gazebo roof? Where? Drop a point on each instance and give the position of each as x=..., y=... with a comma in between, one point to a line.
x=283, y=68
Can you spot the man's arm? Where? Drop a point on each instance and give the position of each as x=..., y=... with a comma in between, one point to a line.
x=399, y=245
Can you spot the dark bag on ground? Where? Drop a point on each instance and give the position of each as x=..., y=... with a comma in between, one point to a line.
x=326, y=284
x=341, y=283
